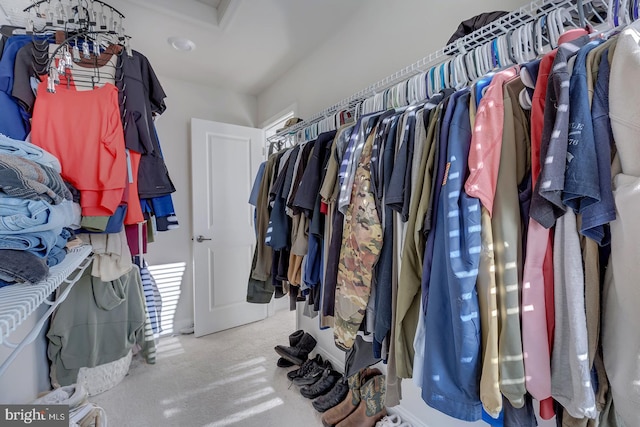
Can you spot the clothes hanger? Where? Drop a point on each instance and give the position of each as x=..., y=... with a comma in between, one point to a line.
x=487, y=57
x=495, y=54
x=450, y=73
x=468, y=64
x=527, y=42
x=624, y=12
x=427, y=81
x=444, y=75
x=403, y=92
x=505, y=53
x=477, y=62
x=413, y=89
x=538, y=27
x=552, y=29
x=521, y=46
x=431, y=81
x=438, y=78
x=392, y=97
x=421, y=92
x=461, y=73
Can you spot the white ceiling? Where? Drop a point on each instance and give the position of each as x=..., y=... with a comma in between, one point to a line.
x=243, y=45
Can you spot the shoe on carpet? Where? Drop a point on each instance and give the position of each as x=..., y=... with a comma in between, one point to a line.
x=336, y=395
x=294, y=339
x=352, y=401
x=326, y=382
x=306, y=367
x=371, y=407
x=392, y=420
x=297, y=354
x=312, y=376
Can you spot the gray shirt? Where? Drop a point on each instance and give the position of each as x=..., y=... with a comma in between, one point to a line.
x=546, y=202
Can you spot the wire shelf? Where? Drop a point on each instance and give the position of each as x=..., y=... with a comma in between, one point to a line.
x=524, y=15
x=18, y=302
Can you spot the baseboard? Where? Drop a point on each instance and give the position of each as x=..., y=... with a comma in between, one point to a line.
x=178, y=325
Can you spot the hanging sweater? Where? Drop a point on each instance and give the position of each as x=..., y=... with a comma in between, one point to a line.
x=98, y=323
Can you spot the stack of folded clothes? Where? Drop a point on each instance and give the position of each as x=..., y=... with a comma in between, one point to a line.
x=37, y=214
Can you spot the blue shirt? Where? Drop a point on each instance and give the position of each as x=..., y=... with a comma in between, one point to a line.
x=452, y=339
x=581, y=182
x=14, y=122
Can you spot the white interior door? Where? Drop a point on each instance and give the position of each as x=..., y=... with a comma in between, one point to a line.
x=224, y=161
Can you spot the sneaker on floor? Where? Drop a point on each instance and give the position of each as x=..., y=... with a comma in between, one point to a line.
x=392, y=420
x=313, y=375
x=306, y=367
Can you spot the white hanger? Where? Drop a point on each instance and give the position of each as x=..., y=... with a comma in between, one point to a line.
x=539, y=35
x=552, y=29
x=517, y=43
x=402, y=92
x=478, y=63
x=461, y=72
x=486, y=57
x=624, y=11
x=470, y=65
x=436, y=78
x=505, y=49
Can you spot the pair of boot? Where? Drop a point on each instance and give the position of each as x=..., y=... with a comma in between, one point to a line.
x=333, y=397
x=328, y=390
x=300, y=345
x=364, y=404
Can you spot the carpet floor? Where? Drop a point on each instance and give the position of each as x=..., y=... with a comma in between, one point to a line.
x=225, y=379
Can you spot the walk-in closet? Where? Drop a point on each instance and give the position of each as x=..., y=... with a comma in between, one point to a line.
x=349, y=213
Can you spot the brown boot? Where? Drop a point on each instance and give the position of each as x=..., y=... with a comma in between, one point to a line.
x=342, y=410
x=371, y=407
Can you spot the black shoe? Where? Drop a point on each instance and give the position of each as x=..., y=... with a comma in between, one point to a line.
x=306, y=367
x=312, y=376
x=283, y=363
x=297, y=354
x=337, y=394
x=294, y=339
x=326, y=382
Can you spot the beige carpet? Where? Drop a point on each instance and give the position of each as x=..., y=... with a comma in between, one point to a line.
x=224, y=379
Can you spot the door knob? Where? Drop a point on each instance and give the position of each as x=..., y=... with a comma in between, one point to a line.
x=201, y=239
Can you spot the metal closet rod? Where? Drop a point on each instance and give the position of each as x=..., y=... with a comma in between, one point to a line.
x=92, y=1
x=515, y=19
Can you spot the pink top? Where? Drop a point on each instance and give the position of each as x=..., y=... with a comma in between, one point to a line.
x=538, y=319
x=486, y=141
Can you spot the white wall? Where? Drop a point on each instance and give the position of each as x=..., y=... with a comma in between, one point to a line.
x=29, y=373
x=382, y=38
x=186, y=101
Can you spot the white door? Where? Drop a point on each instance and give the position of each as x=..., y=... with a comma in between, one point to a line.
x=224, y=161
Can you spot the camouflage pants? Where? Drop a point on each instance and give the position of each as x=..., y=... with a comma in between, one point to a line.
x=361, y=245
